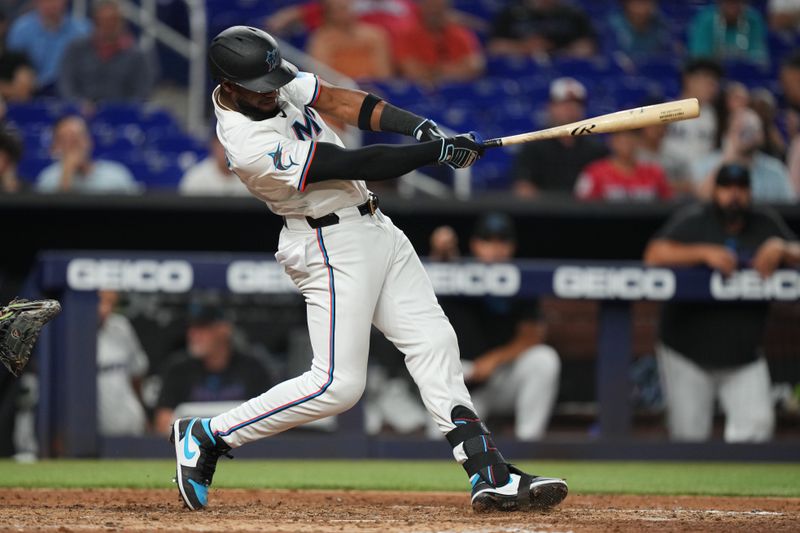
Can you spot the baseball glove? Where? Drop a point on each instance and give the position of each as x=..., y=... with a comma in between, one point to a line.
x=21, y=321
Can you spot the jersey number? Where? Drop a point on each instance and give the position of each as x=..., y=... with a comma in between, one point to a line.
x=309, y=129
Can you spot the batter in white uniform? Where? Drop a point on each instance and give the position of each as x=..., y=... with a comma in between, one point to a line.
x=352, y=265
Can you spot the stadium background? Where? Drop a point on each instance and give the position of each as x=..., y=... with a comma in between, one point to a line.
x=158, y=140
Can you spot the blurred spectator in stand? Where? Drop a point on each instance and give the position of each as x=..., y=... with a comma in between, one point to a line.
x=639, y=31
x=714, y=350
x=75, y=170
x=742, y=145
x=211, y=176
x=17, y=77
x=689, y=140
x=121, y=365
x=507, y=366
x=356, y=49
x=10, y=154
x=106, y=66
x=553, y=165
x=793, y=154
x=621, y=176
x=541, y=28
x=784, y=15
x=731, y=30
x=44, y=34
x=790, y=80
x=210, y=370
x=394, y=16
x=734, y=97
x=651, y=150
x=790, y=84
x=438, y=49
x=444, y=245
x=763, y=102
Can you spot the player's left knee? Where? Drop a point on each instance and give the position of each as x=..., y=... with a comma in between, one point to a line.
x=541, y=360
x=345, y=392
x=757, y=426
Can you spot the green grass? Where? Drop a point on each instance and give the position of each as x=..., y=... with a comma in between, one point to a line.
x=584, y=477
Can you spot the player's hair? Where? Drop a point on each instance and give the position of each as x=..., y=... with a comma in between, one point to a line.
x=99, y=4
x=792, y=60
x=11, y=145
x=703, y=64
x=63, y=118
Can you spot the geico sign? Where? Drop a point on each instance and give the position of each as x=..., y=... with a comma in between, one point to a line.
x=474, y=279
x=749, y=285
x=625, y=283
x=258, y=276
x=143, y=275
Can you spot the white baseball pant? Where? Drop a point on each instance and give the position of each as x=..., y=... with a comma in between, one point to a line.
x=690, y=391
x=358, y=272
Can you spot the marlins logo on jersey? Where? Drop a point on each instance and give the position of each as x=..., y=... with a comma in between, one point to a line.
x=277, y=159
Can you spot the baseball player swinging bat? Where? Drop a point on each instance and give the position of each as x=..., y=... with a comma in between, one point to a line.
x=629, y=119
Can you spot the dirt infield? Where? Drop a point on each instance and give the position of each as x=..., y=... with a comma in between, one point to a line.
x=364, y=512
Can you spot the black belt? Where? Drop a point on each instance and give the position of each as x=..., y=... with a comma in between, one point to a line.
x=367, y=208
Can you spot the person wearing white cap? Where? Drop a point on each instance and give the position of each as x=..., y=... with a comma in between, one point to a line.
x=555, y=164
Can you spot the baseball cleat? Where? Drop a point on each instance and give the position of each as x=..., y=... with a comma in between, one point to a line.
x=523, y=492
x=196, y=454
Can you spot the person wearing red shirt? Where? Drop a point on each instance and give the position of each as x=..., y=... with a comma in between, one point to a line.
x=394, y=16
x=620, y=176
x=438, y=49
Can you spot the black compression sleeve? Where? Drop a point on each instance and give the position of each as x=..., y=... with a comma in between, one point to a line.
x=371, y=163
x=399, y=120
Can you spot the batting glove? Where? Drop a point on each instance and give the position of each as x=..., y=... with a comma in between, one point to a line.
x=460, y=151
x=428, y=130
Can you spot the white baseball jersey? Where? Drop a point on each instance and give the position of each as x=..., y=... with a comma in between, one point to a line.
x=272, y=156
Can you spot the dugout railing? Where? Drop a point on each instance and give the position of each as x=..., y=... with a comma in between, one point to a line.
x=67, y=368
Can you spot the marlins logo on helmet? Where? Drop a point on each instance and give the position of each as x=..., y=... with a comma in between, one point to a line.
x=272, y=60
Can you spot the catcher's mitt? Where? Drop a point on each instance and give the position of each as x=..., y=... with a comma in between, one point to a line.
x=21, y=321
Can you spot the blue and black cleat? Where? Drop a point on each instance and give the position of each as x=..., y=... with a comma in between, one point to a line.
x=196, y=452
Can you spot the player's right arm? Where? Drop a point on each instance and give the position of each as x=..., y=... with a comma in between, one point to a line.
x=371, y=113
x=676, y=245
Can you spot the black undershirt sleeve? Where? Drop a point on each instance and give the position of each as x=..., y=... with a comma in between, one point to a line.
x=371, y=163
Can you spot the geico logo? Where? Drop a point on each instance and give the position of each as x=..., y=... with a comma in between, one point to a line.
x=142, y=275
x=627, y=283
x=474, y=279
x=258, y=277
x=749, y=285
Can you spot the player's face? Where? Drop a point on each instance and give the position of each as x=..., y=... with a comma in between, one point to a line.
x=702, y=85
x=566, y=111
x=71, y=136
x=492, y=250
x=624, y=144
x=732, y=197
x=50, y=9
x=206, y=340
x=252, y=103
x=790, y=82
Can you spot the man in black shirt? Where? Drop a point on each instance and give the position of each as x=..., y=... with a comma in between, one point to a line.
x=506, y=364
x=710, y=350
x=542, y=27
x=210, y=370
x=553, y=165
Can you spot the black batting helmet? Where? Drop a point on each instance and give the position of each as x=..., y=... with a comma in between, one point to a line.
x=249, y=57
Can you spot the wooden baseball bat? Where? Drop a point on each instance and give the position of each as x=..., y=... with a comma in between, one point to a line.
x=629, y=119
